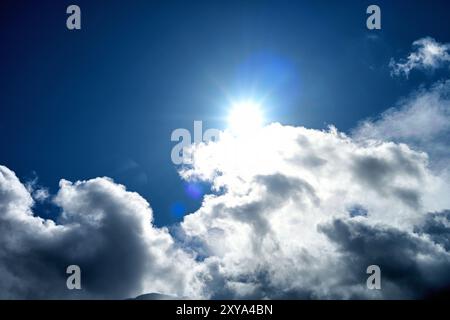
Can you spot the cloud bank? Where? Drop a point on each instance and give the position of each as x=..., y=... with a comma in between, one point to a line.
x=299, y=213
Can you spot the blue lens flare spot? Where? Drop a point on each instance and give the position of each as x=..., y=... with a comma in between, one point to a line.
x=194, y=191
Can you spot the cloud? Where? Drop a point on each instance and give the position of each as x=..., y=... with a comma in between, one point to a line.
x=103, y=228
x=296, y=213
x=283, y=223
x=412, y=266
x=421, y=120
x=428, y=54
x=437, y=227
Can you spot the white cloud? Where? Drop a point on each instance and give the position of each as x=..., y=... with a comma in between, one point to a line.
x=38, y=193
x=41, y=194
x=281, y=226
x=428, y=54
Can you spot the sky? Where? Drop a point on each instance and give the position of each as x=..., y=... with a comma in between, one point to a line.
x=103, y=101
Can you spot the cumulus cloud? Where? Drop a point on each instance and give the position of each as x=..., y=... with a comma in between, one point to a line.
x=296, y=213
x=103, y=228
x=283, y=223
x=428, y=54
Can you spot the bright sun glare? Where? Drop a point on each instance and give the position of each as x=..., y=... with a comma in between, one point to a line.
x=245, y=117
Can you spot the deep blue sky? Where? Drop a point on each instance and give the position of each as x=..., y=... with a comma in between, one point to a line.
x=103, y=101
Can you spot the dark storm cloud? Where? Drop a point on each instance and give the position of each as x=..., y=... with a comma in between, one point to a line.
x=411, y=266
x=437, y=227
x=103, y=229
x=377, y=173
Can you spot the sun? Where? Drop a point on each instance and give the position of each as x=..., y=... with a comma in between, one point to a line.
x=245, y=117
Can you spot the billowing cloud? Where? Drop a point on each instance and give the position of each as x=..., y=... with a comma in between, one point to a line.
x=412, y=265
x=283, y=225
x=103, y=228
x=428, y=54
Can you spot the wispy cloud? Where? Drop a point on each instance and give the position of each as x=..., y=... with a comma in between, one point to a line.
x=427, y=54
x=421, y=120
